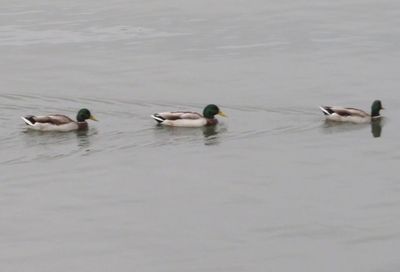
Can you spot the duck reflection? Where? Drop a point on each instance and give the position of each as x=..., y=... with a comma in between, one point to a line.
x=169, y=134
x=210, y=135
x=55, y=137
x=376, y=127
x=43, y=138
x=338, y=127
x=83, y=137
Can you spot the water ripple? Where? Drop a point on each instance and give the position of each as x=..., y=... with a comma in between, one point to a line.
x=11, y=35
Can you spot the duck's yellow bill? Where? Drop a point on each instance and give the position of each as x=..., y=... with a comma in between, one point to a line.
x=222, y=114
x=92, y=118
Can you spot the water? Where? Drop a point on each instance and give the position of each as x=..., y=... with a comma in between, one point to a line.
x=272, y=188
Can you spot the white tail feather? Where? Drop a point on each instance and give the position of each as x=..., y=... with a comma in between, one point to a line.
x=157, y=118
x=324, y=110
x=27, y=121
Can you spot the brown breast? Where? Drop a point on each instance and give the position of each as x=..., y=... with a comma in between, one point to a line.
x=82, y=125
x=212, y=122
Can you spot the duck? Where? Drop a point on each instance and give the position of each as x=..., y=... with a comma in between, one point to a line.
x=59, y=122
x=353, y=115
x=188, y=118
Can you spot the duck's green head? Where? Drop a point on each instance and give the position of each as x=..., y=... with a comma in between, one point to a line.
x=83, y=115
x=211, y=110
x=376, y=107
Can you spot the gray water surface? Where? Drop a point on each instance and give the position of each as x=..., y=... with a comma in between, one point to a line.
x=272, y=188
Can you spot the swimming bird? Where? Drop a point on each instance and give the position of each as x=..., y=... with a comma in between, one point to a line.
x=189, y=119
x=342, y=114
x=58, y=122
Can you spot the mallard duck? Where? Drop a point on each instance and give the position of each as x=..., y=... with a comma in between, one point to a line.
x=189, y=119
x=58, y=122
x=353, y=115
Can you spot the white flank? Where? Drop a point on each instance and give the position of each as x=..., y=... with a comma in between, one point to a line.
x=353, y=119
x=185, y=122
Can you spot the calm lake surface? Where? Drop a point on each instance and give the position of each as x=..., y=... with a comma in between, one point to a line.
x=271, y=188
